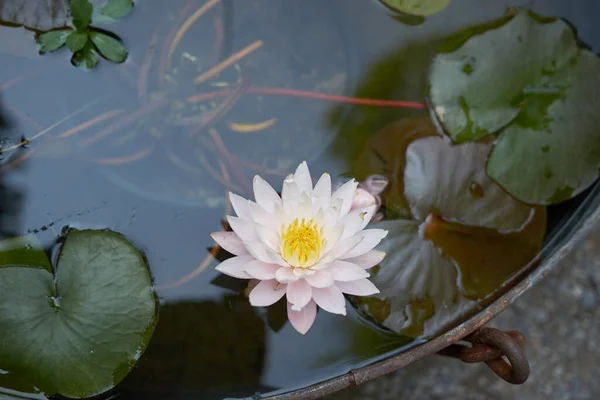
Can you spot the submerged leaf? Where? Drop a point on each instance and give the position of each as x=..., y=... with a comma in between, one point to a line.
x=109, y=47
x=417, y=7
x=80, y=332
x=525, y=77
x=76, y=41
x=53, y=40
x=466, y=238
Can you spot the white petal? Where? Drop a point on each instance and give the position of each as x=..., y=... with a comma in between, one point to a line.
x=344, y=271
x=369, y=259
x=371, y=238
x=344, y=246
x=299, y=294
x=323, y=187
x=260, y=216
x=260, y=270
x=361, y=287
x=303, y=179
x=264, y=194
x=263, y=253
x=357, y=219
x=345, y=194
x=320, y=279
x=290, y=194
x=332, y=237
x=235, y=266
x=303, y=272
x=269, y=236
x=330, y=299
x=243, y=228
x=302, y=320
x=267, y=293
x=230, y=242
x=286, y=275
x=240, y=205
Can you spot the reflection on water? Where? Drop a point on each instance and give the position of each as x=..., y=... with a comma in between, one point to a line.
x=150, y=148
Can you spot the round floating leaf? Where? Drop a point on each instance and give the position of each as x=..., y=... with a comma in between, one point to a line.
x=76, y=41
x=53, y=40
x=417, y=7
x=467, y=237
x=80, y=332
x=112, y=49
x=524, y=76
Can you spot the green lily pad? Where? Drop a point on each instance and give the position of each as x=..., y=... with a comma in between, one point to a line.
x=77, y=332
x=111, y=48
x=53, y=40
x=76, y=41
x=525, y=77
x=417, y=7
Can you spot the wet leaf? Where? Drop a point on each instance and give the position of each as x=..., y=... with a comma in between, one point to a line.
x=110, y=48
x=465, y=238
x=81, y=13
x=85, y=58
x=525, y=77
x=23, y=251
x=76, y=41
x=112, y=11
x=53, y=40
x=417, y=7
x=80, y=332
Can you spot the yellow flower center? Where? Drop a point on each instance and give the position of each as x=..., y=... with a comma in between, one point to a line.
x=301, y=243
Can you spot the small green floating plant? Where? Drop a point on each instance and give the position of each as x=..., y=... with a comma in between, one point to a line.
x=85, y=41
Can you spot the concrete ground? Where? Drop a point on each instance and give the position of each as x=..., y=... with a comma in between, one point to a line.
x=560, y=318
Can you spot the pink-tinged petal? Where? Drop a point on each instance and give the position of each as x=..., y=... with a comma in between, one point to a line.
x=344, y=271
x=299, y=294
x=320, y=279
x=240, y=205
x=363, y=199
x=302, y=320
x=346, y=194
x=376, y=184
x=235, y=266
x=286, y=275
x=370, y=239
x=269, y=236
x=303, y=179
x=264, y=194
x=267, y=293
x=303, y=272
x=357, y=219
x=263, y=253
x=260, y=270
x=243, y=228
x=361, y=287
x=330, y=299
x=230, y=242
x=323, y=186
x=369, y=259
x=332, y=237
x=260, y=216
x=341, y=248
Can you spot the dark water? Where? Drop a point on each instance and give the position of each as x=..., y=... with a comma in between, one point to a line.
x=163, y=188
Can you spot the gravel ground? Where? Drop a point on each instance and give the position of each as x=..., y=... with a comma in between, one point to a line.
x=560, y=318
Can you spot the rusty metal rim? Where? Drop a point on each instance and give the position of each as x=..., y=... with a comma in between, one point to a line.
x=577, y=228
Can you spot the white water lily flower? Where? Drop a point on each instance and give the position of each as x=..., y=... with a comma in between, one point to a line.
x=306, y=245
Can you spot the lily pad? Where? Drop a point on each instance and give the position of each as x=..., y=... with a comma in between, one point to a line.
x=77, y=332
x=525, y=77
x=417, y=7
x=465, y=239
